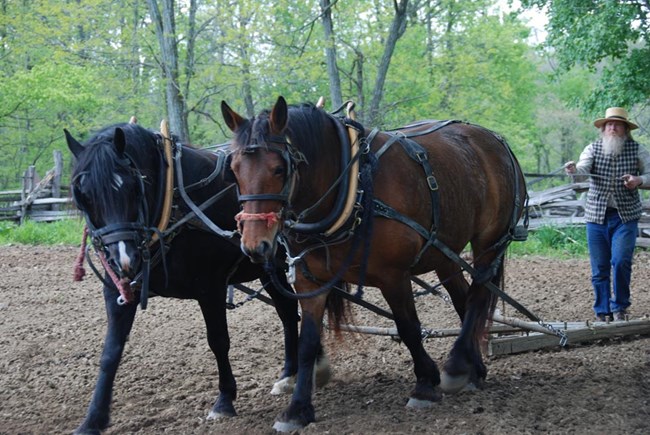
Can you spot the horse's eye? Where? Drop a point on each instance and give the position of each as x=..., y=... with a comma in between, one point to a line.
x=80, y=199
x=280, y=171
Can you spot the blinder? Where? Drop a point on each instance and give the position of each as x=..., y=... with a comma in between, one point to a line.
x=228, y=174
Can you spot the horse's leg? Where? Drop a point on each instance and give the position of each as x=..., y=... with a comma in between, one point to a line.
x=214, y=314
x=452, y=278
x=399, y=296
x=120, y=321
x=287, y=310
x=300, y=411
x=465, y=363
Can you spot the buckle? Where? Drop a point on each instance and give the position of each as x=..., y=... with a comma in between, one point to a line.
x=433, y=184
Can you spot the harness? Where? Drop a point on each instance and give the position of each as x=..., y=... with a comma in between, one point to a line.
x=418, y=154
x=152, y=241
x=344, y=232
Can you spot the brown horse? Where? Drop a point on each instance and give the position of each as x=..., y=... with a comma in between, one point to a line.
x=424, y=192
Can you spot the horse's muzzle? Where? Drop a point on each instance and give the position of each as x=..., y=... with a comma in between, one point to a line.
x=124, y=258
x=261, y=252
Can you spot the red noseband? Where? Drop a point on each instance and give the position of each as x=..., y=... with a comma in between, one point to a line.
x=270, y=218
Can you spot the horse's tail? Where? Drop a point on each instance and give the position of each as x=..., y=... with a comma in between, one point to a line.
x=485, y=318
x=338, y=308
x=499, y=280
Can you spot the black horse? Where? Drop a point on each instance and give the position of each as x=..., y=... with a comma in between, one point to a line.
x=121, y=184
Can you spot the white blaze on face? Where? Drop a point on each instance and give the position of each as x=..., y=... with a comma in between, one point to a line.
x=117, y=182
x=124, y=259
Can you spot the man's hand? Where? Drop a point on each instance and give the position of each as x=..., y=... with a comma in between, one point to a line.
x=570, y=167
x=631, y=181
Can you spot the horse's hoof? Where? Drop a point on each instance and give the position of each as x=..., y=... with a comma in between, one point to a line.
x=452, y=384
x=322, y=372
x=287, y=426
x=419, y=403
x=284, y=386
x=218, y=415
x=471, y=387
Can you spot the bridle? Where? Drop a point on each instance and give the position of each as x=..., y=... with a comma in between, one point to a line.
x=328, y=226
x=151, y=240
x=292, y=158
x=143, y=233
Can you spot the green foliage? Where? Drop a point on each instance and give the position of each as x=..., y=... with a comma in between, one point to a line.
x=607, y=36
x=62, y=232
x=84, y=65
x=562, y=132
x=487, y=77
x=550, y=241
x=37, y=104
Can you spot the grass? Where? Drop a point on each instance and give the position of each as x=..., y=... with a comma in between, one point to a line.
x=62, y=232
x=556, y=242
x=567, y=242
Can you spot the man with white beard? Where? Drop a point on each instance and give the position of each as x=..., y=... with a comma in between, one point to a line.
x=617, y=165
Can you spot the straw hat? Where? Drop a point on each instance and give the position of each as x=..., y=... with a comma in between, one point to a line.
x=615, y=114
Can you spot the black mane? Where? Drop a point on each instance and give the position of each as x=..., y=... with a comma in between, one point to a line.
x=100, y=162
x=305, y=128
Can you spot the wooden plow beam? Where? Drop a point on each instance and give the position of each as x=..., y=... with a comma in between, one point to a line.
x=510, y=335
x=513, y=335
x=576, y=332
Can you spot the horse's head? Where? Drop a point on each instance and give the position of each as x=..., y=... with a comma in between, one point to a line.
x=111, y=185
x=264, y=164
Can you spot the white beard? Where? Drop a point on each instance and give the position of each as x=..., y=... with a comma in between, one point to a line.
x=613, y=145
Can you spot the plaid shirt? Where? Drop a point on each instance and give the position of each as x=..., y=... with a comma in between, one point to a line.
x=608, y=189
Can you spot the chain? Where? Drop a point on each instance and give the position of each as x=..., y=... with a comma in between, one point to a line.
x=231, y=305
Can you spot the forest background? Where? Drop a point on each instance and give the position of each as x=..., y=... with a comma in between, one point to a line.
x=82, y=65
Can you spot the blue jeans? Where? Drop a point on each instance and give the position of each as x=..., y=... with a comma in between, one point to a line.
x=611, y=248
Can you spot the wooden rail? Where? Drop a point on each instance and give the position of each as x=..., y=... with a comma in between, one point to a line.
x=564, y=206
x=39, y=199
x=47, y=200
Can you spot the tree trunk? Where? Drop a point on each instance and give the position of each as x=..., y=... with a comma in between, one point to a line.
x=330, y=54
x=397, y=29
x=191, y=40
x=166, y=33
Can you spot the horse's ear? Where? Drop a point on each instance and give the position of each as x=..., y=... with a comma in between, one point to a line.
x=279, y=115
x=119, y=140
x=233, y=119
x=75, y=147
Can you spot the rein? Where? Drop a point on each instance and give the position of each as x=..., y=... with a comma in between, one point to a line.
x=358, y=237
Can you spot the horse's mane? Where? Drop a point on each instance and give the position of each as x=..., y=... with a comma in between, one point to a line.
x=304, y=127
x=100, y=162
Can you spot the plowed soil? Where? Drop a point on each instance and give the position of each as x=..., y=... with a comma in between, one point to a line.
x=52, y=329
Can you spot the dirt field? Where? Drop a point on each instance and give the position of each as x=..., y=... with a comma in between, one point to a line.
x=51, y=333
